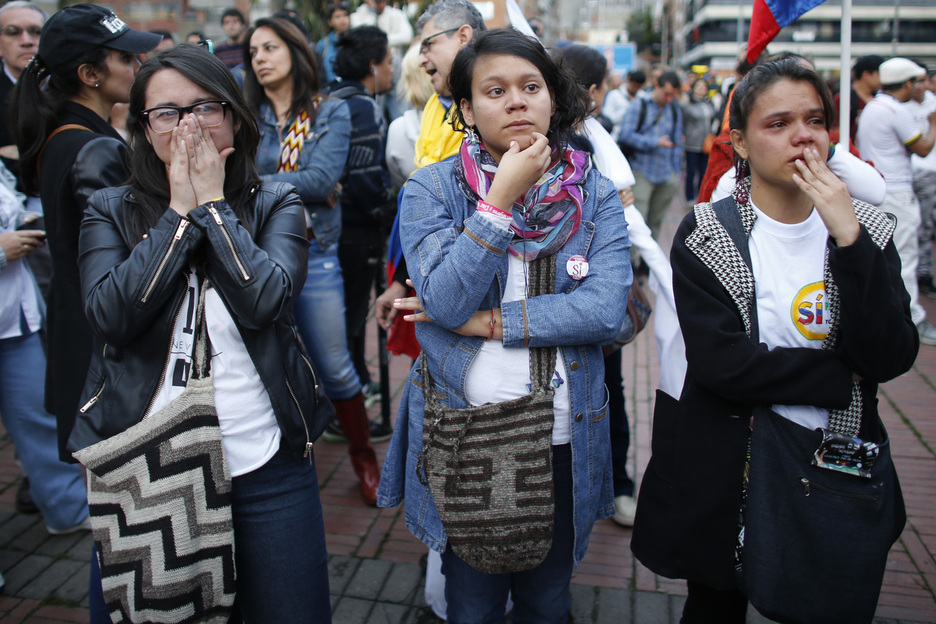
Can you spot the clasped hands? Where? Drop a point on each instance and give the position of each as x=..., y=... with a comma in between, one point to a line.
x=196, y=168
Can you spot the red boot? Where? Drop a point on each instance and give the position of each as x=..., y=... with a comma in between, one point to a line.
x=352, y=416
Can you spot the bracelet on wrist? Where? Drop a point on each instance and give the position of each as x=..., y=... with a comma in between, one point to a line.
x=483, y=206
x=491, y=326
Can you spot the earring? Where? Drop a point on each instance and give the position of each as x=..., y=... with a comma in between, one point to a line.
x=97, y=84
x=472, y=135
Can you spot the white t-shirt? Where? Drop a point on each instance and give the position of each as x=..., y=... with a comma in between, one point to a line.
x=788, y=261
x=498, y=374
x=920, y=112
x=249, y=431
x=885, y=128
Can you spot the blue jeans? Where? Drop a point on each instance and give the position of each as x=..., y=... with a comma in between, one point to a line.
x=540, y=595
x=279, y=544
x=620, y=428
x=57, y=488
x=320, y=318
x=696, y=164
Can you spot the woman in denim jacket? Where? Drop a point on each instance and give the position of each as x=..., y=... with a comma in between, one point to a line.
x=304, y=140
x=468, y=267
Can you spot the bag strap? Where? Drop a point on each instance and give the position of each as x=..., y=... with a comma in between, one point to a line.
x=58, y=130
x=542, y=281
x=726, y=210
x=201, y=359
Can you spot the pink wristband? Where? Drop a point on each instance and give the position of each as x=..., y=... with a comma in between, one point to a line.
x=483, y=206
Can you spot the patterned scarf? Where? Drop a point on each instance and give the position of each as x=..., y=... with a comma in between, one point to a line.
x=299, y=129
x=548, y=214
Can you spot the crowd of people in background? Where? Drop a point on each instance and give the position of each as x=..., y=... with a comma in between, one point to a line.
x=342, y=161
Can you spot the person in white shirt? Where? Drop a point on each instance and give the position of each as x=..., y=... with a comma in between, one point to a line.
x=887, y=136
x=617, y=100
x=921, y=104
x=57, y=488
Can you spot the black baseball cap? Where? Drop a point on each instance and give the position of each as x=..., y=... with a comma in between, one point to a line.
x=80, y=28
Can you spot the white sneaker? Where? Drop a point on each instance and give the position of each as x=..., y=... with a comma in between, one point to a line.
x=84, y=525
x=927, y=333
x=625, y=508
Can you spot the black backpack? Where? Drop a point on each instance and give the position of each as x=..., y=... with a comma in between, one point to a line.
x=627, y=149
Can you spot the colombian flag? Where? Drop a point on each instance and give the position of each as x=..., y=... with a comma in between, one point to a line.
x=769, y=17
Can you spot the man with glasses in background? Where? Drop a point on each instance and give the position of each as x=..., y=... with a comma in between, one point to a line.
x=444, y=29
x=20, y=25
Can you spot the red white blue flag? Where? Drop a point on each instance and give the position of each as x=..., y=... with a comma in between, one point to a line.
x=769, y=17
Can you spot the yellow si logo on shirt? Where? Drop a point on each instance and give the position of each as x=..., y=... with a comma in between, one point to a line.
x=809, y=312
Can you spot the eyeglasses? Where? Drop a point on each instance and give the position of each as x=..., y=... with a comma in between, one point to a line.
x=208, y=44
x=16, y=31
x=163, y=119
x=427, y=42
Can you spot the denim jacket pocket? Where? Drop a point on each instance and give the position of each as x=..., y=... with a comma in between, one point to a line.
x=431, y=249
x=602, y=412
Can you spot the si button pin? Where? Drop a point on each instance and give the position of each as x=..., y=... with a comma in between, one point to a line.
x=577, y=267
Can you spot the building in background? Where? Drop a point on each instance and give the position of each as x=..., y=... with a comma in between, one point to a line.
x=709, y=32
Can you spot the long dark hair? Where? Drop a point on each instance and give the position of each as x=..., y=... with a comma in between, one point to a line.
x=148, y=173
x=570, y=100
x=305, y=73
x=35, y=111
x=589, y=66
x=357, y=49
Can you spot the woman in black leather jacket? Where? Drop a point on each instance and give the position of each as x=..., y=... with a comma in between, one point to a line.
x=62, y=132
x=61, y=104
x=194, y=217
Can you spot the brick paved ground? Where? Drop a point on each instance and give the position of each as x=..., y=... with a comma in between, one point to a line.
x=375, y=564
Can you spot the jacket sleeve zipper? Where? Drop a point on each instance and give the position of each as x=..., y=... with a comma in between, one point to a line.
x=230, y=241
x=308, y=446
x=97, y=395
x=180, y=230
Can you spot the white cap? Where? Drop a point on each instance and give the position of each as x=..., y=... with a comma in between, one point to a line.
x=899, y=70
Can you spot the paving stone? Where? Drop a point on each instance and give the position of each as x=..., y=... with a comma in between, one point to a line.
x=62, y=544
x=9, y=558
x=352, y=611
x=369, y=579
x=35, y=536
x=75, y=589
x=676, y=604
x=340, y=571
x=421, y=615
x=754, y=617
x=81, y=550
x=651, y=608
x=405, y=581
x=614, y=606
x=386, y=613
x=14, y=527
x=583, y=604
x=53, y=577
x=25, y=572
